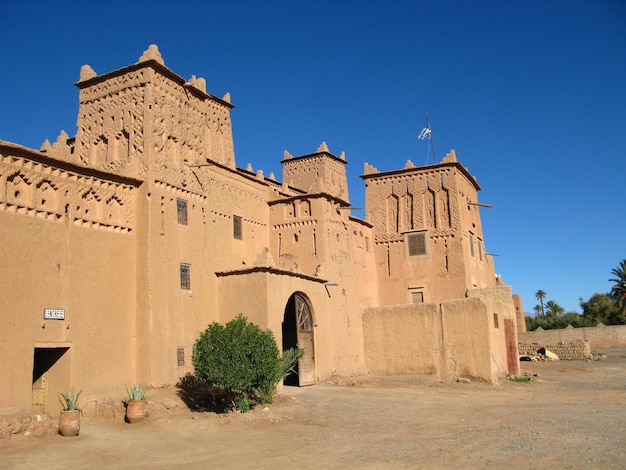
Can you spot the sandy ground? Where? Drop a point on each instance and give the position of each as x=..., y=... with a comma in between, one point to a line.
x=571, y=415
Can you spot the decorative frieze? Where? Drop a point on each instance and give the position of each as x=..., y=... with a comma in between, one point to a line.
x=40, y=190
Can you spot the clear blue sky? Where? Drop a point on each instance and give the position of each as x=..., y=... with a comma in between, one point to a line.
x=531, y=94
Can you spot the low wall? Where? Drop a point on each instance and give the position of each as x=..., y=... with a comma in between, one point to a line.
x=457, y=338
x=598, y=336
x=578, y=350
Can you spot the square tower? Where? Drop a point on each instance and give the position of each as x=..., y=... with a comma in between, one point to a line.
x=429, y=245
x=318, y=173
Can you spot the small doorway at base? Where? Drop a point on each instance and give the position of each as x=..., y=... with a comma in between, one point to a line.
x=298, y=333
x=44, y=373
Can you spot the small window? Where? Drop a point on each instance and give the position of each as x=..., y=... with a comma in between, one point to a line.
x=471, y=240
x=417, y=243
x=180, y=356
x=181, y=209
x=480, y=249
x=495, y=321
x=185, y=276
x=417, y=297
x=237, y=227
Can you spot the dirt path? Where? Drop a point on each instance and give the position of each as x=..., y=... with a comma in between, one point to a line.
x=572, y=415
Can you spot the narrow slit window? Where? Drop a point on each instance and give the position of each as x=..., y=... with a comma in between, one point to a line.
x=181, y=209
x=185, y=276
x=471, y=241
x=180, y=356
x=237, y=227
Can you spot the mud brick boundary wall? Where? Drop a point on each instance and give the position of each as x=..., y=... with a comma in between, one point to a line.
x=600, y=336
x=578, y=350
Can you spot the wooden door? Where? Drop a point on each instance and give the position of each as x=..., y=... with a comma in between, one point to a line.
x=512, y=360
x=40, y=394
x=304, y=326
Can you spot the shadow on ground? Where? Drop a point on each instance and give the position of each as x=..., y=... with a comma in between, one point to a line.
x=201, y=396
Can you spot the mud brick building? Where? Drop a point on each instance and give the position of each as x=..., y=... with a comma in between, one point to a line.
x=121, y=244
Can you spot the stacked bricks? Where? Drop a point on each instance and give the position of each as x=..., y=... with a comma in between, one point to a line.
x=600, y=336
x=578, y=350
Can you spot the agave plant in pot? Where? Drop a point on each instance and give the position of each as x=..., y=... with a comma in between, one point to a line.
x=69, y=419
x=135, y=405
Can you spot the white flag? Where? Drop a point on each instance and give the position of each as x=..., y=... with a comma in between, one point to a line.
x=425, y=133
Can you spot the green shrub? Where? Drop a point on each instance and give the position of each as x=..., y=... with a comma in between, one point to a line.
x=242, y=403
x=239, y=358
x=288, y=362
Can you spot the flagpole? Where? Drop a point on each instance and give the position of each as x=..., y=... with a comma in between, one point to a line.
x=430, y=136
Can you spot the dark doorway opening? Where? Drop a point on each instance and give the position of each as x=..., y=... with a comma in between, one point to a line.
x=298, y=333
x=290, y=337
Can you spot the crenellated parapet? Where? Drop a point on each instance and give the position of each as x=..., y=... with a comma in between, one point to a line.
x=418, y=198
x=317, y=173
x=145, y=115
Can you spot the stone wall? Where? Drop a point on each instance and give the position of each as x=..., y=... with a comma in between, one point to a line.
x=599, y=337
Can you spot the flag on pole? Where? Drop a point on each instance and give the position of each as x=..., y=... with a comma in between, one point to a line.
x=425, y=134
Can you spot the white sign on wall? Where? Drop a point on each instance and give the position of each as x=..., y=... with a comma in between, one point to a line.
x=53, y=314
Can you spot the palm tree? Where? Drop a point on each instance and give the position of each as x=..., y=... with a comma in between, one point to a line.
x=538, y=309
x=540, y=295
x=554, y=309
x=618, y=291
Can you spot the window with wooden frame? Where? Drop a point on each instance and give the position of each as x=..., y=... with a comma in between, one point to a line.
x=417, y=296
x=185, y=276
x=416, y=243
x=180, y=356
x=181, y=210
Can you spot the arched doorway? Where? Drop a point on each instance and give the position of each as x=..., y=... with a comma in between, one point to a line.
x=298, y=333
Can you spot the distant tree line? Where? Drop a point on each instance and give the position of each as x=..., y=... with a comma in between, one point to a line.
x=608, y=309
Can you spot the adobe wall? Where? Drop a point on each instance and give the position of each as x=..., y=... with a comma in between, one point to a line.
x=501, y=316
x=598, y=337
x=172, y=317
x=403, y=339
x=68, y=243
x=520, y=319
x=262, y=297
x=449, y=340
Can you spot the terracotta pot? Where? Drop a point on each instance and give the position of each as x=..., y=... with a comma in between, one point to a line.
x=135, y=411
x=69, y=423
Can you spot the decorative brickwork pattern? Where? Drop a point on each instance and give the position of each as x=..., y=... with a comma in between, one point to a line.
x=42, y=191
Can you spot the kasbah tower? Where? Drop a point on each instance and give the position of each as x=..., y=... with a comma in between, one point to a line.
x=121, y=244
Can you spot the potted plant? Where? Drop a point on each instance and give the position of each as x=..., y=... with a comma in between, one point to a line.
x=69, y=420
x=136, y=405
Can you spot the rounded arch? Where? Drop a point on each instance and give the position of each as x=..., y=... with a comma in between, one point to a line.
x=298, y=332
